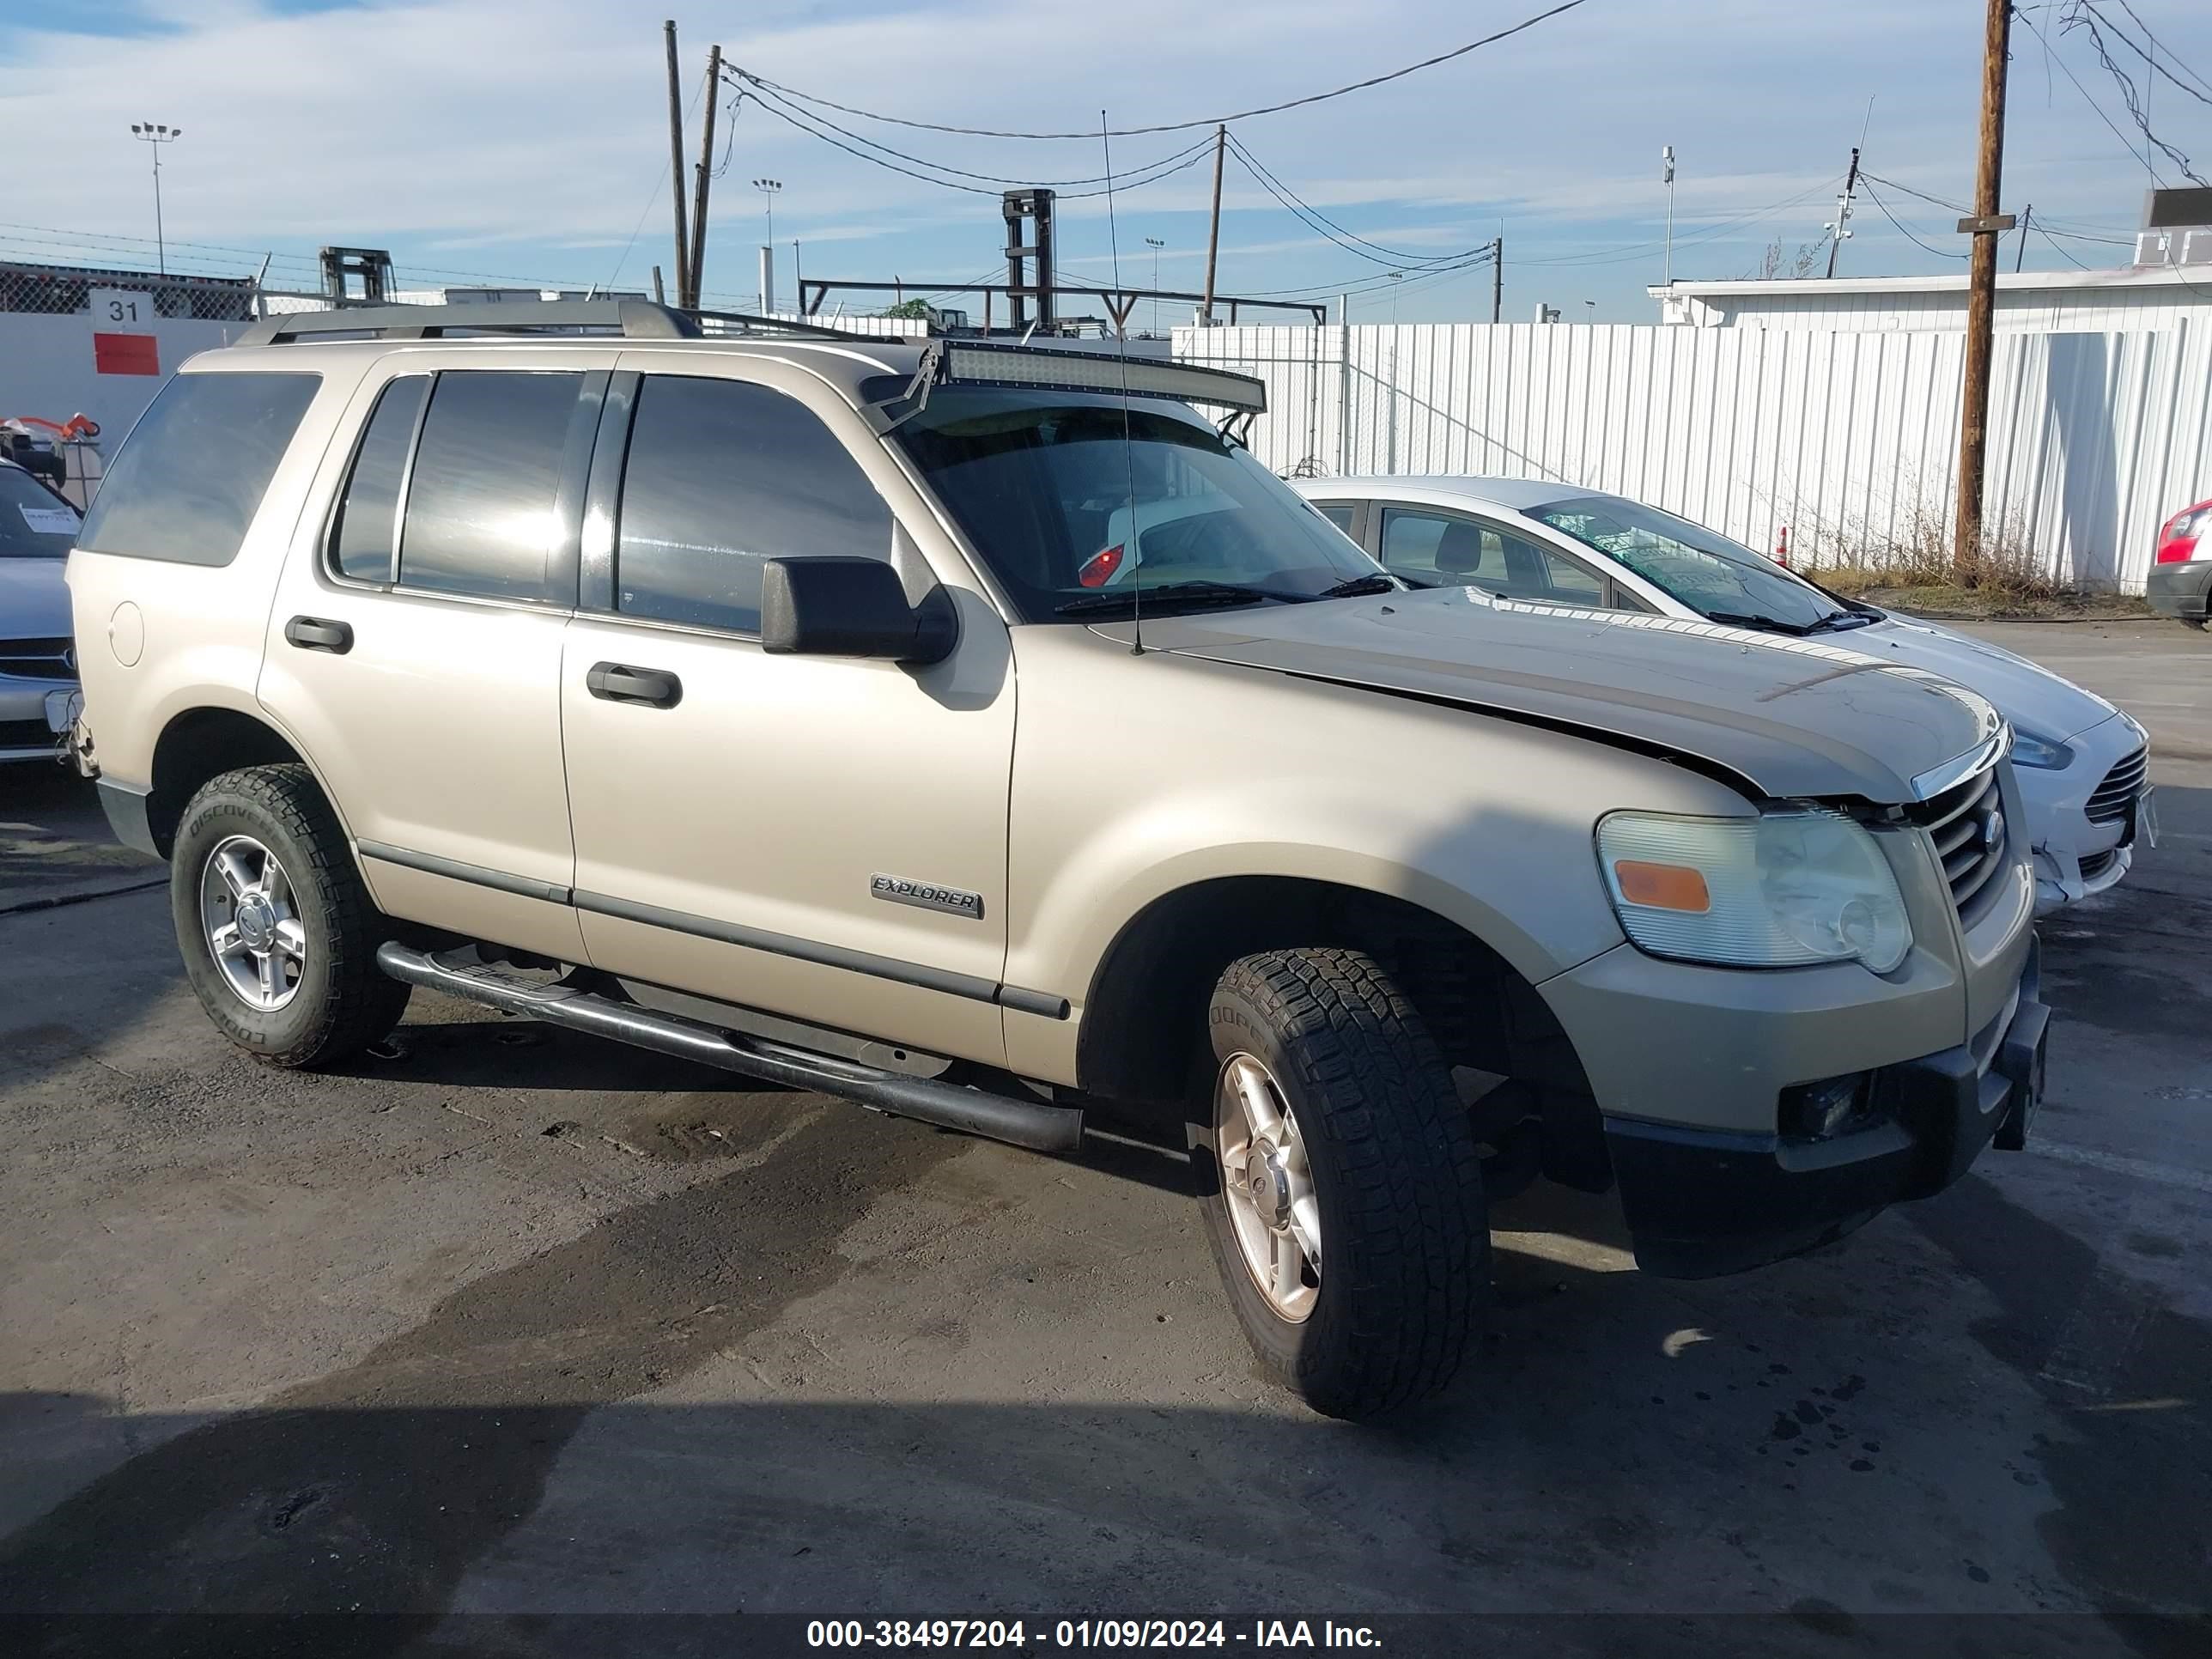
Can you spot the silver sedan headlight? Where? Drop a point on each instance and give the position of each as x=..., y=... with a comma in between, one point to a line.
x=2044, y=754
x=1783, y=889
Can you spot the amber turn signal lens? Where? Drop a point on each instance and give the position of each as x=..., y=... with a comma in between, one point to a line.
x=1663, y=886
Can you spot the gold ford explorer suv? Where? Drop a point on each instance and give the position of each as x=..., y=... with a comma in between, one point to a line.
x=977, y=733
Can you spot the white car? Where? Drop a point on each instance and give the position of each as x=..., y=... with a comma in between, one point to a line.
x=38, y=658
x=2083, y=765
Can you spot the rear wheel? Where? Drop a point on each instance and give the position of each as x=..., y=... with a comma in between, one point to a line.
x=1347, y=1215
x=278, y=935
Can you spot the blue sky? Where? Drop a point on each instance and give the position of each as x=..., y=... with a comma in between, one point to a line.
x=526, y=139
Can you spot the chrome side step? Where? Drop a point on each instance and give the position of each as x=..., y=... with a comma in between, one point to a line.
x=1028, y=1123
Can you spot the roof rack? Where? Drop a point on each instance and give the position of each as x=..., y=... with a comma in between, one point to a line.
x=631, y=319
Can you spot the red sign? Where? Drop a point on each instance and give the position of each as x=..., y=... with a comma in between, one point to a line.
x=125, y=353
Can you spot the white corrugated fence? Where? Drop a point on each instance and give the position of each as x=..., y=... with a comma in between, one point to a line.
x=1849, y=439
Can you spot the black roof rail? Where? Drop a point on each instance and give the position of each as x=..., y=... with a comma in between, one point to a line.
x=632, y=320
x=636, y=319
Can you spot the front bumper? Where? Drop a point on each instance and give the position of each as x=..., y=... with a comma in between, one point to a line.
x=28, y=710
x=2077, y=857
x=1701, y=1202
x=2183, y=591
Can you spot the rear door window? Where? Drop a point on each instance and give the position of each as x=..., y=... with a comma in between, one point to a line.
x=187, y=482
x=365, y=537
x=1338, y=514
x=721, y=476
x=483, y=502
x=1447, y=550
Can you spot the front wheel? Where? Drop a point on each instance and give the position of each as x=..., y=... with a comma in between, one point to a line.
x=1347, y=1214
x=278, y=934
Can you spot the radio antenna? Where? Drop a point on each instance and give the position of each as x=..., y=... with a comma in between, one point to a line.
x=1128, y=454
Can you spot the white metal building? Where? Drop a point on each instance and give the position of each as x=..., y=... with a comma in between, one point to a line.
x=2035, y=301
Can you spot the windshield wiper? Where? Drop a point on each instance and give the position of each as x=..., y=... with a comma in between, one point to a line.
x=1765, y=624
x=1358, y=586
x=1170, y=594
x=1837, y=620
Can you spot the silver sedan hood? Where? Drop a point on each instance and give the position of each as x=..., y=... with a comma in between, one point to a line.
x=1784, y=718
x=35, y=600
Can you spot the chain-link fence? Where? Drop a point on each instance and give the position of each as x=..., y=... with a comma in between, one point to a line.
x=134, y=297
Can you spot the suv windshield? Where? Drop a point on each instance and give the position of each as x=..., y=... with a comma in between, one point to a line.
x=34, y=522
x=1715, y=577
x=1071, y=520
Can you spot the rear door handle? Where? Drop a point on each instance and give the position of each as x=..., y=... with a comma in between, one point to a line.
x=314, y=634
x=655, y=687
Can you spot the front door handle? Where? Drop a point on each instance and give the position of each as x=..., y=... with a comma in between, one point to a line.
x=654, y=687
x=314, y=634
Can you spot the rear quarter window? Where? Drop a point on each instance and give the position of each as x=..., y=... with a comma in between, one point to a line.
x=188, y=481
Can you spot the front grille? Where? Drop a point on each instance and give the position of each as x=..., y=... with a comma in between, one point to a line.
x=26, y=734
x=2094, y=864
x=1967, y=824
x=2116, y=793
x=38, y=660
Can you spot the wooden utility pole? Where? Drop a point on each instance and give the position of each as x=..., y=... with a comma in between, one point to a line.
x=676, y=165
x=698, y=272
x=1213, y=233
x=1985, y=227
x=1497, y=280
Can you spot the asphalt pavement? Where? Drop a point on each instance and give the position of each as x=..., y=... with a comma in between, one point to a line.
x=508, y=1328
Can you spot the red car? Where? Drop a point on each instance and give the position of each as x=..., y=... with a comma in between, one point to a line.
x=2180, y=582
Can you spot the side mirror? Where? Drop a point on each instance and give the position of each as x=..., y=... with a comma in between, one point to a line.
x=840, y=607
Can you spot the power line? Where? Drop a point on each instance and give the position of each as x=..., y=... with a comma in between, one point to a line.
x=2161, y=46
x=2082, y=16
x=781, y=107
x=1173, y=126
x=2126, y=142
x=653, y=196
x=2077, y=236
x=1932, y=201
x=1941, y=253
x=1297, y=204
x=1713, y=232
x=1131, y=181
x=2150, y=55
x=2062, y=251
x=1372, y=284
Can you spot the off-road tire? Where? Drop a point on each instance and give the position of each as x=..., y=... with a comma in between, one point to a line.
x=1404, y=1280
x=344, y=1001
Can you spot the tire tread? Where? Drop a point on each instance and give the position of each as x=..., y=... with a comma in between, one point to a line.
x=1372, y=1083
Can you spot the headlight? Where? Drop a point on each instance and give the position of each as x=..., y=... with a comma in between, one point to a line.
x=2044, y=754
x=1779, y=891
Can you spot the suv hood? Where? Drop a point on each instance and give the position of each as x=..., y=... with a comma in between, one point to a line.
x=1783, y=718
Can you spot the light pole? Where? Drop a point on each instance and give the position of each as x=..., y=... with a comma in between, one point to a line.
x=1667, y=178
x=157, y=134
x=767, y=188
x=1156, y=245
